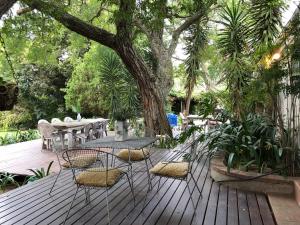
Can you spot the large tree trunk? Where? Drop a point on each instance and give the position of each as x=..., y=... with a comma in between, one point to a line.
x=152, y=100
x=164, y=74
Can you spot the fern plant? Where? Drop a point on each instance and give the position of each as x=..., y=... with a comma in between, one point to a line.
x=7, y=179
x=39, y=173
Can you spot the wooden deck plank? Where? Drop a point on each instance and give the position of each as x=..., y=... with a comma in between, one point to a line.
x=244, y=218
x=21, y=200
x=202, y=205
x=200, y=179
x=211, y=210
x=254, y=213
x=232, y=213
x=265, y=210
x=32, y=204
x=221, y=217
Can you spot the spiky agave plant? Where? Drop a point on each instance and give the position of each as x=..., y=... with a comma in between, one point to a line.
x=233, y=41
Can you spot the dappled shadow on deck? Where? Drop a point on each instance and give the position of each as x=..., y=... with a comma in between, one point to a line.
x=32, y=204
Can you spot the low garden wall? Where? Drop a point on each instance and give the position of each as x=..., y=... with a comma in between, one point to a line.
x=267, y=184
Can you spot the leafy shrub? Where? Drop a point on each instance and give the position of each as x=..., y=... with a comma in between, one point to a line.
x=15, y=119
x=250, y=142
x=7, y=179
x=207, y=104
x=104, y=84
x=41, y=91
x=39, y=173
x=19, y=136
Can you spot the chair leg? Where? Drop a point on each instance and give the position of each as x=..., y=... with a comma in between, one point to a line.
x=131, y=175
x=87, y=195
x=131, y=188
x=150, y=161
x=196, y=185
x=71, y=206
x=158, y=186
x=148, y=173
x=55, y=181
x=107, y=207
x=190, y=193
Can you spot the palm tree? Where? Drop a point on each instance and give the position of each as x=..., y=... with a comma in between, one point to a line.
x=196, y=41
x=232, y=42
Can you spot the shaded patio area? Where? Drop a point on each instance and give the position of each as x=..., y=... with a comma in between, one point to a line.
x=32, y=204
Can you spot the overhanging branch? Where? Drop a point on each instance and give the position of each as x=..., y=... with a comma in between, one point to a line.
x=73, y=23
x=177, y=32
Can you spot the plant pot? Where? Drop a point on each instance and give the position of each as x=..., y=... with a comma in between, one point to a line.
x=78, y=117
x=8, y=96
x=121, y=130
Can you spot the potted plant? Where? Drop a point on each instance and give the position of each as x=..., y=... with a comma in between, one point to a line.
x=121, y=129
x=121, y=113
x=8, y=94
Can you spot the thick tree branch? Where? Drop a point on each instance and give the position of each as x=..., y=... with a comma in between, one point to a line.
x=125, y=20
x=5, y=5
x=177, y=32
x=73, y=23
x=23, y=11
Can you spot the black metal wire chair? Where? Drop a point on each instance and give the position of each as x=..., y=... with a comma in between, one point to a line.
x=181, y=166
x=99, y=173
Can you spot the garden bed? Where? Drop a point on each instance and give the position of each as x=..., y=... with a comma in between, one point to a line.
x=268, y=184
x=8, y=185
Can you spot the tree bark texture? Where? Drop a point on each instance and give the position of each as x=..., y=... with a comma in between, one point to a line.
x=153, y=103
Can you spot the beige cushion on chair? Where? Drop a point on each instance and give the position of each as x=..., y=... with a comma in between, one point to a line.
x=81, y=161
x=135, y=155
x=96, y=177
x=171, y=169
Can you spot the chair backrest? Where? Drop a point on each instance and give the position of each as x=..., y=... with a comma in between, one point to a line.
x=68, y=119
x=55, y=120
x=57, y=143
x=46, y=130
x=87, y=129
x=42, y=121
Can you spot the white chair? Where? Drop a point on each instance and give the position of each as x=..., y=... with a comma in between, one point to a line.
x=46, y=130
x=42, y=121
x=87, y=133
x=68, y=119
x=105, y=123
x=56, y=120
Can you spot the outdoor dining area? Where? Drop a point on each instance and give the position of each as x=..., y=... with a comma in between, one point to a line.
x=71, y=130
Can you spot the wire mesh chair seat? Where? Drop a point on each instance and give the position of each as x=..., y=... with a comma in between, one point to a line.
x=101, y=174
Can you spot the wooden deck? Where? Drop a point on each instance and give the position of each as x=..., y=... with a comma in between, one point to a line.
x=32, y=204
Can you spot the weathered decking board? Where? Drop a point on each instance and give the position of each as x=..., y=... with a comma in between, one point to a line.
x=220, y=205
